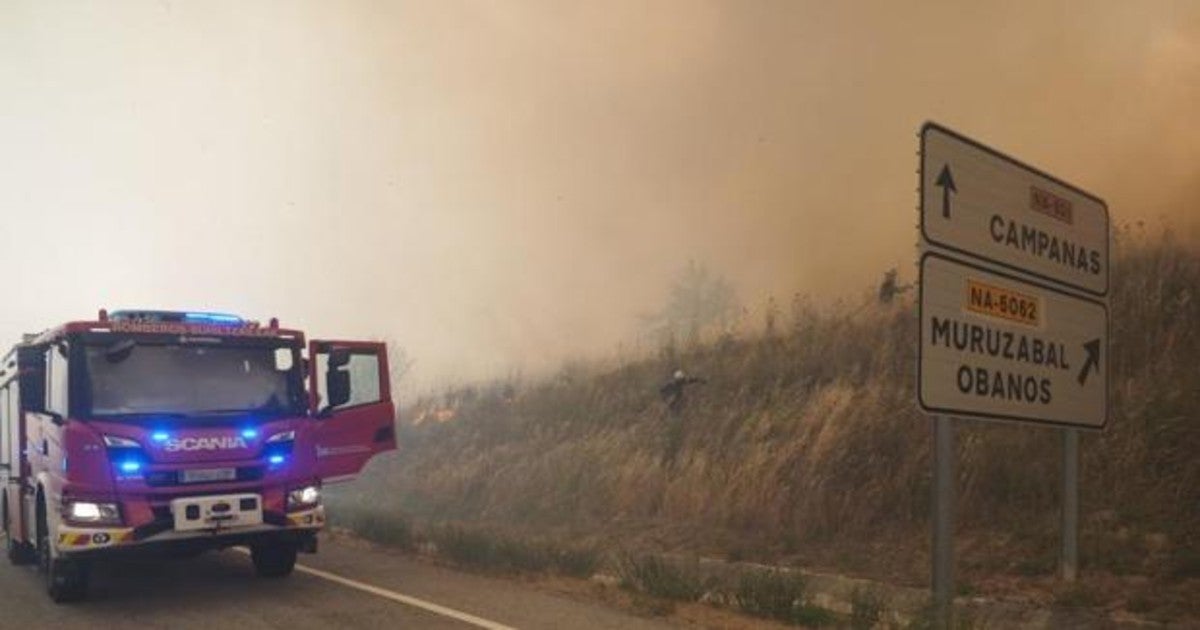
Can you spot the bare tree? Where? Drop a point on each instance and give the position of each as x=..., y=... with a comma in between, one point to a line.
x=698, y=301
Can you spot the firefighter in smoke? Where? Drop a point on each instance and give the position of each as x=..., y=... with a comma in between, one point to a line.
x=673, y=395
x=889, y=288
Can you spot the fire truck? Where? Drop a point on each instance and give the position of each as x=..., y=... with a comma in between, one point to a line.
x=173, y=433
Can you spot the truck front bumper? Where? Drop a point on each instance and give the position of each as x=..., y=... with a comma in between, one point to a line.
x=73, y=541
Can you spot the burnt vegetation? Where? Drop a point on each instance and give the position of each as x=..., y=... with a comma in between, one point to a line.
x=806, y=447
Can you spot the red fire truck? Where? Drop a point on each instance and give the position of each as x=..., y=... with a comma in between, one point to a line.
x=179, y=432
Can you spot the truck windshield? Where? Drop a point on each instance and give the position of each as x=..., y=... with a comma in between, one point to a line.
x=130, y=378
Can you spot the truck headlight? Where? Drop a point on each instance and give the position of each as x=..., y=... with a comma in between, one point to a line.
x=305, y=497
x=90, y=512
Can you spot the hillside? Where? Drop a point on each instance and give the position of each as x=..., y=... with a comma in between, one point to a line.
x=806, y=447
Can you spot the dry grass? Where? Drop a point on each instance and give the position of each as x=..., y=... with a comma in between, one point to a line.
x=806, y=445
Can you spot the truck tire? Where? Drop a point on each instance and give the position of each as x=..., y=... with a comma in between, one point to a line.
x=66, y=579
x=19, y=553
x=274, y=559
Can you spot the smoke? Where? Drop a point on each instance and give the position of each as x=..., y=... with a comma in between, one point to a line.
x=499, y=186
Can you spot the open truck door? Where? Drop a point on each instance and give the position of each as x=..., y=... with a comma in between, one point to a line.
x=350, y=398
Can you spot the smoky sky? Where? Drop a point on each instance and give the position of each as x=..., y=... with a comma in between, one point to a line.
x=499, y=186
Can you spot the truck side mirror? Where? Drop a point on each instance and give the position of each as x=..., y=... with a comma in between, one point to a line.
x=337, y=385
x=338, y=357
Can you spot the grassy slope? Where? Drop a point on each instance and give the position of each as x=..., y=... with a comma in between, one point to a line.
x=806, y=446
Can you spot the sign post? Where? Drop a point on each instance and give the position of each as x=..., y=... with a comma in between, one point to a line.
x=943, y=521
x=1070, y=506
x=1013, y=316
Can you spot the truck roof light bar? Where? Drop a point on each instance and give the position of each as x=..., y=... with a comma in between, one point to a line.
x=185, y=317
x=212, y=318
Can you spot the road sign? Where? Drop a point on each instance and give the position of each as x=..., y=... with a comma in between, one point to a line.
x=996, y=346
x=980, y=203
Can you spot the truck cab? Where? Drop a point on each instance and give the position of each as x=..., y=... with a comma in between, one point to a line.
x=178, y=432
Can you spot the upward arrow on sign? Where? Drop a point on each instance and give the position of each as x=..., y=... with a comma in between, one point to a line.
x=946, y=182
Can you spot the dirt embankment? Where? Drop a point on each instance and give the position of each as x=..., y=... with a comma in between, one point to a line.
x=806, y=447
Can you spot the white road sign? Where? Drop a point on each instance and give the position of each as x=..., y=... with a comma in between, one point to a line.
x=996, y=346
x=980, y=203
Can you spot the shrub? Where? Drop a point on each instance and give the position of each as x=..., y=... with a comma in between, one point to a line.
x=774, y=594
x=778, y=594
x=655, y=576
x=1077, y=595
x=866, y=608
x=493, y=551
x=577, y=561
x=388, y=529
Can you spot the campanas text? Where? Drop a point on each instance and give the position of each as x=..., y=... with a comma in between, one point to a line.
x=1034, y=241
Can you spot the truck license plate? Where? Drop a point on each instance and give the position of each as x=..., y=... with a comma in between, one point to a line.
x=203, y=475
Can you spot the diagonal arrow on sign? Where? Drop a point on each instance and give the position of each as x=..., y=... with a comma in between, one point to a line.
x=1093, y=360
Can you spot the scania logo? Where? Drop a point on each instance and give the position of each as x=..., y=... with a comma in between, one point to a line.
x=205, y=443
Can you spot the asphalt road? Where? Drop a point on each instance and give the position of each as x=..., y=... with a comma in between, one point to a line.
x=344, y=586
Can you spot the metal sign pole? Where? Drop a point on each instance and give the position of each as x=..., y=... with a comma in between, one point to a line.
x=943, y=521
x=1069, y=564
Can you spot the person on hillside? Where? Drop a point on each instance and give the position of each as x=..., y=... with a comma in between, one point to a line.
x=673, y=394
x=889, y=288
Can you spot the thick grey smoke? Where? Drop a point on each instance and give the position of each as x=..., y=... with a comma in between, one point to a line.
x=498, y=186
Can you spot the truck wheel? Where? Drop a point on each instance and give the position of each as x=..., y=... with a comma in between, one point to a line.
x=66, y=579
x=273, y=559
x=18, y=552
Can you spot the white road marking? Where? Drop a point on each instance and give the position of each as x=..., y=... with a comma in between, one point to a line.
x=406, y=599
x=437, y=609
